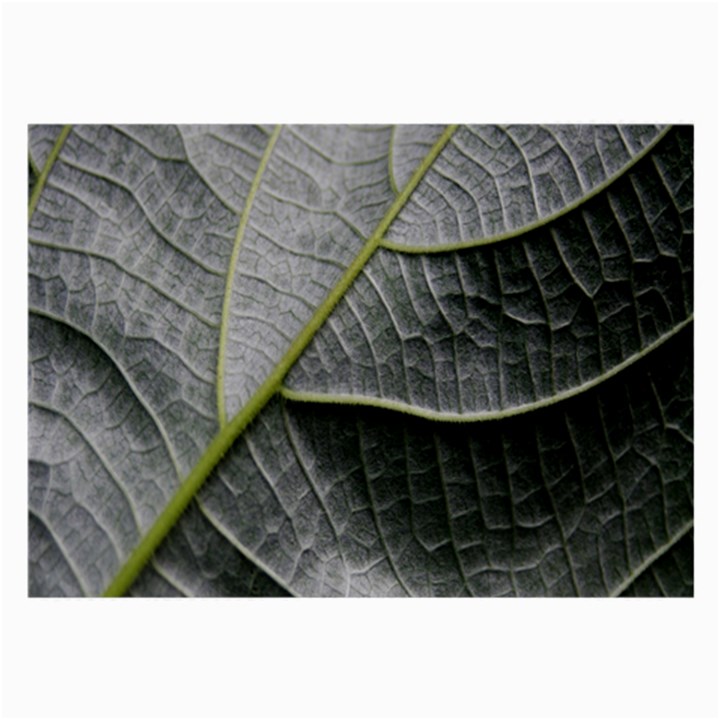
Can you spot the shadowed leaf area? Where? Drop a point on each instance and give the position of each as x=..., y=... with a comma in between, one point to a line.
x=361, y=361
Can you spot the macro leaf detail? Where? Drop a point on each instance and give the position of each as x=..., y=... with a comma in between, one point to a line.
x=348, y=360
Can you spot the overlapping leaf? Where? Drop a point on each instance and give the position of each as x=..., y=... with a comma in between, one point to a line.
x=533, y=283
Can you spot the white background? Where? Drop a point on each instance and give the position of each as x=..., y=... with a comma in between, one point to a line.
x=339, y=62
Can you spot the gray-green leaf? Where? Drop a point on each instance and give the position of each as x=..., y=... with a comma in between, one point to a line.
x=466, y=356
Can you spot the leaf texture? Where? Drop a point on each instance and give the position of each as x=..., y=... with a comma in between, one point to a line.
x=356, y=292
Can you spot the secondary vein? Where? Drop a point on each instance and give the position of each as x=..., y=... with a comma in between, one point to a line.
x=52, y=157
x=407, y=408
x=224, y=319
x=540, y=222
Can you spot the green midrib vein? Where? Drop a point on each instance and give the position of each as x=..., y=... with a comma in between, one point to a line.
x=229, y=432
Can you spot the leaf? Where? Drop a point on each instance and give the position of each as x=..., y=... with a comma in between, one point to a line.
x=361, y=360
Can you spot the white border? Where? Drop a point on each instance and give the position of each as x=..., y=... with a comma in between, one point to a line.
x=334, y=62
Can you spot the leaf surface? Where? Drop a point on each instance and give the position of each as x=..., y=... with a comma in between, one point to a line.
x=285, y=325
